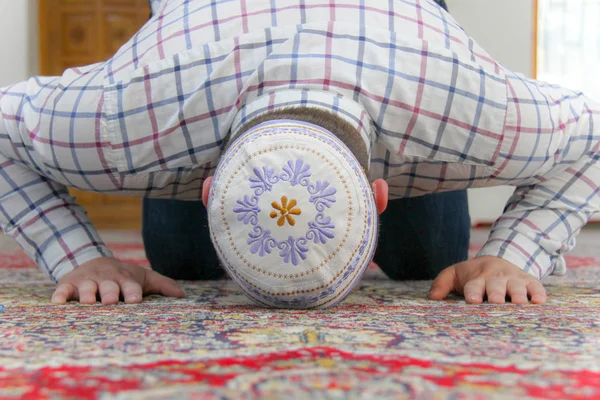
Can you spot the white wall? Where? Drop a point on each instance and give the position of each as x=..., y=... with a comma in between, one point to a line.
x=18, y=40
x=504, y=28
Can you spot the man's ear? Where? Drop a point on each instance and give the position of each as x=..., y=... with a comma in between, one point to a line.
x=381, y=191
x=206, y=190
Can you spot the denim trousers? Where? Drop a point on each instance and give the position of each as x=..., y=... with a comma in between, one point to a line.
x=418, y=237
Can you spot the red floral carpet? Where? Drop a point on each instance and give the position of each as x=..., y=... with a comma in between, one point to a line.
x=386, y=341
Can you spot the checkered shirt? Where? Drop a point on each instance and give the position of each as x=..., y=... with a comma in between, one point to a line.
x=437, y=111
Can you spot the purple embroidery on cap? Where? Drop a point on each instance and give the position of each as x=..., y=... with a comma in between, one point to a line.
x=264, y=180
x=297, y=173
x=261, y=241
x=320, y=229
x=248, y=210
x=293, y=249
x=322, y=195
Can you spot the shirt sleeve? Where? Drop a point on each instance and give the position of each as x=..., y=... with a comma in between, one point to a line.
x=553, y=161
x=35, y=206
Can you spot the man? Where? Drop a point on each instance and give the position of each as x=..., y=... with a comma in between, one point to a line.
x=435, y=110
x=411, y=227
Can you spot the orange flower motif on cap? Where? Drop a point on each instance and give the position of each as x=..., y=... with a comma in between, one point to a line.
x=285, y=211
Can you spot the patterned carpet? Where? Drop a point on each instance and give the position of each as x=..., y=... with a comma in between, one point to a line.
x=386, y=341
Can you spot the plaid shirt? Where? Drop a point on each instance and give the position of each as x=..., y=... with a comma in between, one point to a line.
x=439, y=113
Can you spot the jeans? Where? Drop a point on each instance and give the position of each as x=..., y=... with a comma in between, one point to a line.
x=418, y=237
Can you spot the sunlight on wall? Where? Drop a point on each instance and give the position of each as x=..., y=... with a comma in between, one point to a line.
x=569, y=44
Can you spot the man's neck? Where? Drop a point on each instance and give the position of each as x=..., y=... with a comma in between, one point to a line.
x=326, y=120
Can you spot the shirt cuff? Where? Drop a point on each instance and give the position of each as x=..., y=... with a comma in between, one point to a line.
x=61, y=241
x=83, y=245
x=527, y=254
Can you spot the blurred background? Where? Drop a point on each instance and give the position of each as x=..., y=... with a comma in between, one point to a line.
x=553, y=40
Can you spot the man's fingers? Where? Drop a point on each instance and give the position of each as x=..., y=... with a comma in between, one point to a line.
x=109, y=292
x=63, y=293
x=158, y=284
x=474, y=291
x=131, y=290
x=87, y=291
x=536, y=292
x=517, y=290
x=495, y=288
x=443, y=284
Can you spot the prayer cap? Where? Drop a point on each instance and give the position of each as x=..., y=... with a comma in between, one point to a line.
x=292, y=215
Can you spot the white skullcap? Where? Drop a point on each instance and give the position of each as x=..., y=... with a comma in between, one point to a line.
x=292, y=215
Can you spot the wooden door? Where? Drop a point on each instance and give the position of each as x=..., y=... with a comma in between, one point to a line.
x=81, y=32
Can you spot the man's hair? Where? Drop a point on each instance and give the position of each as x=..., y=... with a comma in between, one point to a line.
x=326, y=120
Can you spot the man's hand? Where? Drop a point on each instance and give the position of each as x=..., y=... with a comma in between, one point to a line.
x=491, y=276
x=112, y=279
